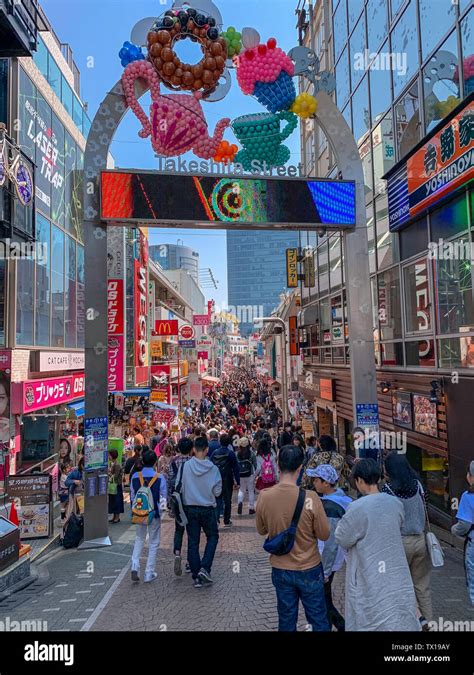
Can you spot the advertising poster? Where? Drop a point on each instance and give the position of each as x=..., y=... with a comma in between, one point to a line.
x=401, y=409
x=425, y=415
x=5, y=375
x=33, y=500
x=96, y=443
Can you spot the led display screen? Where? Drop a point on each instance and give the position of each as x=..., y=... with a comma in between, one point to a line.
x=226, y=201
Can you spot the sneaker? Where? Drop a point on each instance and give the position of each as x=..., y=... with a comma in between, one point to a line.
x=150, y=577
x=135, y=576
x=177, y=566
x=187, y=568
x=205, y=576
x=239, y=509
x=229, y=524
x=197, y=583
x=251, y=512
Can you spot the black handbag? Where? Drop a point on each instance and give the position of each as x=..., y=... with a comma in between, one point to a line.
x=283, y=542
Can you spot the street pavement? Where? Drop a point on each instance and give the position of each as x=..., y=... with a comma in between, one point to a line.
x=91, y=589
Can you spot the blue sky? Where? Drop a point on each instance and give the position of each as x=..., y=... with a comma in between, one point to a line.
x=98, y=28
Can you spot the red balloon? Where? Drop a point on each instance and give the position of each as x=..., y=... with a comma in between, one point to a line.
x=262, y=49
x=271, y=43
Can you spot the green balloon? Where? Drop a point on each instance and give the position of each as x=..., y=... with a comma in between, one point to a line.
x=230, y=30
x=237, y=36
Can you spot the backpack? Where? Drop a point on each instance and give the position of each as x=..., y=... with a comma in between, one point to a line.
x=267, y=474
x=143, y=507
x=73, y=531
x=222, y=461
x=245, y=466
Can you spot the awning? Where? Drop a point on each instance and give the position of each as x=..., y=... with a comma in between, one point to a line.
x=163, y=406
x=210, y=379
x=134, y=392
x=78, y=407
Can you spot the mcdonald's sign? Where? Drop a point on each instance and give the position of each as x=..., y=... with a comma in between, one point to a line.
x=163, y=327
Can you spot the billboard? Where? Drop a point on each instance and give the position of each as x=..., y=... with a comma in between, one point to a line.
x=226, y=201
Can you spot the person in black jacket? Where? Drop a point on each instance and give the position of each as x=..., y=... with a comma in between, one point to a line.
x=226, y=461
x=286, y=437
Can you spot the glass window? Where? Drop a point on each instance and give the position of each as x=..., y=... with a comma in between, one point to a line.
x=383, y=152
x=3, y=297
x=41, y=57
x=27, y=107
x=54, y=77
x=417, y=297
x=43, y=283
x=467, y=38
x=407, y=115
x=386, y=241
x=347, y=113
x=380, y=85
x=4, y=69
x=392, y=354
x=456, y=352
x=435, y=20
x=70, y=293
x=340, y=29
x=69, y=183
x=452, y=270
x=44, y=156
x=342, y=79
x=358, y=53
x=389, y=304
x=77, y=113
x=395, y=6
x=57, y=173
x=81, y=311
x=451, y=219
x=405, y=49
x=57, y=288
x=86, y=124
x=414, y=239
x=78, y=216
x=441, y=91
x=376, y=23
x=421, y=353
x=325, y=321
x=355, y=8
x=323, y=268
x=371, y=237
x=25, y=271
x=335, y=262
x=67, y=96
x=337, y=320
x=360, y=111
x=365, y=152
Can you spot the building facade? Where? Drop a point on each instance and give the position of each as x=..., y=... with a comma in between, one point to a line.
x=403, y=83
x=176, y=257
x=256, y=273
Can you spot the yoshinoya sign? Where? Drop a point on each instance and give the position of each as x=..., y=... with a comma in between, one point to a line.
x=55, y=361
x=443, y=163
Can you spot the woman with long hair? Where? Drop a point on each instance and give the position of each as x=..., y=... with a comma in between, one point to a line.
x=402, y=482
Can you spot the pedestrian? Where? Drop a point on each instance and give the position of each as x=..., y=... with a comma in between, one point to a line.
x=155, y=486
x=311, y=447
x=133, y=463
x=247, y=462
x=335, y=503
x=185, y=448
x=213, y=441
x=402, y=482
x=326, y=453
x=165, y=460
x=138, y=438
x=266, y=474
x=464, y=527
x=298, y=574
x=225, y=460
x=286, y=436
x=201, y=484
x=65, y=469
x=155, y=439
x=379, y=590
x=115, y=488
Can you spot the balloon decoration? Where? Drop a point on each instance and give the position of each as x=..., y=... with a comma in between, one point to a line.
x=304, y=105
x=225, y=152
x=261, y=137
x=233, y=40
x=130, y=53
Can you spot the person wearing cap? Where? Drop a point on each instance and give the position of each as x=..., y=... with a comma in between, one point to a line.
x=247, y=462
x=464, y=527
x=335, y=503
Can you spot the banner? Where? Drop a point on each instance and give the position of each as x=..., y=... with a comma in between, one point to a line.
x=116, y=371
x=115, y=306
x=141, y=309
x=293, y=328
x=159, y=395
x=292, y=267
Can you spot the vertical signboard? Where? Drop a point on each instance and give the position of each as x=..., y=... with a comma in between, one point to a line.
x=292, y=267
x=293, y=329
x=141, y=312
x=5, y=377
x=116, y=339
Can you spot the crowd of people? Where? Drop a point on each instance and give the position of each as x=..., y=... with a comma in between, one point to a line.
x=319, y=510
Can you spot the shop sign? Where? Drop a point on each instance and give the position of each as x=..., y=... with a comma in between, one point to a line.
x=383, y=303
x=204, y=341
x=116, y=371
x=186, y=332
x=368, y=416
x=9, y=543
x=203, y=355
x=51, y=361
x=5, y=371
x=115, y=306
x=96, y=434
x=293, y=330
x=444, y=163
x=292, y=267
x=141, y=304
x=37, y=394
x=159, y=395
x=201, y=320
x=319, y=387
x=32, y=495
x=187, y=344
x=156, y=349
x=160, y=374
x=166, y=327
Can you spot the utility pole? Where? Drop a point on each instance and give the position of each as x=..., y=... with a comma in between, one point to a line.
x=284, y=365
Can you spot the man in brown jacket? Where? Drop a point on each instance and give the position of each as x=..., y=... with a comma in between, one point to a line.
x=298, y=575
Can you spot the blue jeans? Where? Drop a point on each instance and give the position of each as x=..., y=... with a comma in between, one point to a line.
x=308, y=586
x=469, y=563
x=201, y=518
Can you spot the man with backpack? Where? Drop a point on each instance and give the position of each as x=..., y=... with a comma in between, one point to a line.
x=297, y=572
x=185, y=447
x=147, y=489
x=247, y=462
x=225, y=460
x=201, y=484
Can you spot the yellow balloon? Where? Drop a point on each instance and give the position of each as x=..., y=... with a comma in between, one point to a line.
x=304, y=105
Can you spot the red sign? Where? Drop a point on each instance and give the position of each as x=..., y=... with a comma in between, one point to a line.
x=203, y=355
x=141, y=305
x=294, y=345
x=116, y=379
x=115, y=306
x=201, y=320
x=210, y=304
x=38, y=394
x=163, y=327
x=142, y=376
x=186, y=332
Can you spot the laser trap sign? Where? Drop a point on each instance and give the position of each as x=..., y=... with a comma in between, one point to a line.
x=226, y=201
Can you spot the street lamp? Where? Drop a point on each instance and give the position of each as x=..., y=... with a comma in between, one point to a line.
x=284, y=370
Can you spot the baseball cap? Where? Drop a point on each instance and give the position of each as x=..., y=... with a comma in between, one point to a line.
x=325, y=472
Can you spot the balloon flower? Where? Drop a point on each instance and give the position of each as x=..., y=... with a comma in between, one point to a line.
x=234, y=41
x=130, y=53
x=225, y=152
x=304, y=105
